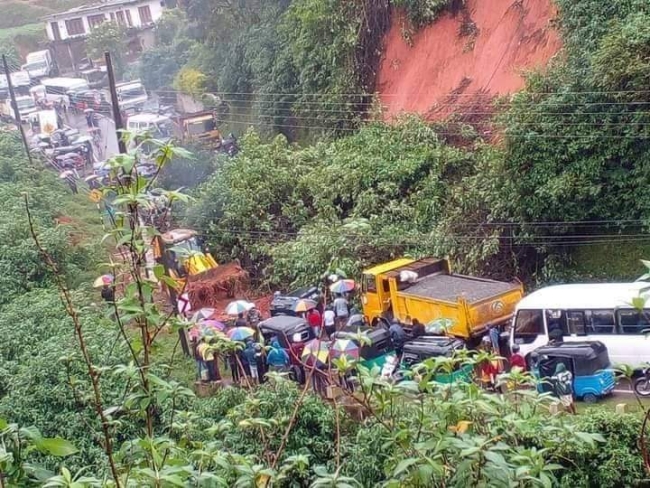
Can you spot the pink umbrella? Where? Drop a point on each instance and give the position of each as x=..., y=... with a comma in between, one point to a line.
x=213, y=324
x=206, y=328
x=203, y=314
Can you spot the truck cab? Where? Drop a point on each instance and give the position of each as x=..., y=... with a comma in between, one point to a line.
x=39, y=64
x=26, y=108
x=375, y=288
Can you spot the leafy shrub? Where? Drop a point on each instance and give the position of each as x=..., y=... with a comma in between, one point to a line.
x=423, y=12
x=616, y=462
x=312, y=435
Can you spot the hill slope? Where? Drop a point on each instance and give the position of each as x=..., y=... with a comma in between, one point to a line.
x=483, y=48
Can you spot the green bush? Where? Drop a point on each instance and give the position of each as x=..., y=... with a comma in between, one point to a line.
x=616, y=462
x=423, y=12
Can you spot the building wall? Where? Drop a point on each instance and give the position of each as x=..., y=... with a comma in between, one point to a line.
x=156, y=8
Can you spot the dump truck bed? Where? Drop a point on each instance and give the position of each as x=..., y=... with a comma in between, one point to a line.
x=450, y=287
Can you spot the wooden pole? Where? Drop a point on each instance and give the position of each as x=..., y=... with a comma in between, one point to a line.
x=117, y=115
x=14, y=105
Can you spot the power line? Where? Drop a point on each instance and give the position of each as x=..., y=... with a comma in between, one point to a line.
x=407, y=92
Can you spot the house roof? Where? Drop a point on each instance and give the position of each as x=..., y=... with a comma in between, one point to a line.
x=97, y=7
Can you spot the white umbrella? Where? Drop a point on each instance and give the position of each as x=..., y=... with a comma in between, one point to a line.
x=238, y=306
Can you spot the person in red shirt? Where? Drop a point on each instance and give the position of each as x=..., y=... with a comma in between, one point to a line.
x=517, y=360
x=314, y=320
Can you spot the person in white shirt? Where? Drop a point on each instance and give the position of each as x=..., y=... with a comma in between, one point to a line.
x=329, y=320
x=342, y=310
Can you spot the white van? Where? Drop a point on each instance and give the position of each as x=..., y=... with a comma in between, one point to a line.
x=159, y=126
x=599, y=312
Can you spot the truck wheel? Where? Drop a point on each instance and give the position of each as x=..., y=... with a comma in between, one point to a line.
x=589, y=398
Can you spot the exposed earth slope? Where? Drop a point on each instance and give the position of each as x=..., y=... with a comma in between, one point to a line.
x=484, y=48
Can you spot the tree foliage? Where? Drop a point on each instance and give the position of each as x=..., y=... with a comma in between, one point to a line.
x=108, y=37
x=423, y=12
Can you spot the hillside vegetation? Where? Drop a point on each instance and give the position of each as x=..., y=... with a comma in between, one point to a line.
x=565, y=176
x=92, y=397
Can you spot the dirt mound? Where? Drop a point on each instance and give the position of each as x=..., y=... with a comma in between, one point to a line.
x=210, y=288
x=461, y=61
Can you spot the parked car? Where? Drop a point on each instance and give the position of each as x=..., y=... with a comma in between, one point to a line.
x=284, y=304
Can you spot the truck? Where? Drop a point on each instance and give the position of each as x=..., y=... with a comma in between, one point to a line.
x=20, y=81
x=26, y=108
x=427, y=290
x=131, y=96
x=200, y=126
x=39, y=64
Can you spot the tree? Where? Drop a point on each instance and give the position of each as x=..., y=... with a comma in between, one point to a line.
x=108, y=37
x=190, y=81
x=623, y=60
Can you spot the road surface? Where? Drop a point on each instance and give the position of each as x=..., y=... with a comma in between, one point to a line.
x=109, y=137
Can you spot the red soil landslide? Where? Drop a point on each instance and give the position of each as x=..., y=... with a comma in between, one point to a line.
x=485, y=48
x=209, y=289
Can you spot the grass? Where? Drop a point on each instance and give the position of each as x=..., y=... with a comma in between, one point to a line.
x=610, y=402
x=169, y=351
x=9, y=34
x=21, y=13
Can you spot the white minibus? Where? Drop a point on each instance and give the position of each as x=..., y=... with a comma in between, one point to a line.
x=599, y=312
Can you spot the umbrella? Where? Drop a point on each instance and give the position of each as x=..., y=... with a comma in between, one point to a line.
x=65, y=174
x=183, y=304
x=213, y=324
x=316, y=351
x=203, y=314
x=239, y=306
x=206, y=328
x=91, y=177
x=344, y=347
x=342, y=286
x=438, y=326
x=106, y=279
x=240, y=333
x=304, y=304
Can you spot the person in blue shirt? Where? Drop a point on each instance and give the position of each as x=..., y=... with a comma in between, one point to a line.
x=277, y=358
x=250, y=354
x=397, y=336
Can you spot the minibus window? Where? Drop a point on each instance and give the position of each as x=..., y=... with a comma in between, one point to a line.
x=529, y=323
x=576, y=322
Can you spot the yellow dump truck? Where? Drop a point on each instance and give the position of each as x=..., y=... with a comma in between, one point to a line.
x=201, y=127
x=427, y=290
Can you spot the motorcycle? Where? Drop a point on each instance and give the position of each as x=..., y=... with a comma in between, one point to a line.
x=641, y=385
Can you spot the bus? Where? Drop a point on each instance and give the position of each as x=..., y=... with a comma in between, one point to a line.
x=55, y=89
x=599, y=312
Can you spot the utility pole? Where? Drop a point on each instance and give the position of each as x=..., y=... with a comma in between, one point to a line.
x=14, y=105
x=117, y=115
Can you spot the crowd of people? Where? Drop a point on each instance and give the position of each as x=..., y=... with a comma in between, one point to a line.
x=249, y=363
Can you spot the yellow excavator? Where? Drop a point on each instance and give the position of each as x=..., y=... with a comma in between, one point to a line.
x=194, y=271
x=182, y=255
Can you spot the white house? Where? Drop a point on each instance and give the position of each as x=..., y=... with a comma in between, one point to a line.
x=67, y=30
x=80, y=21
